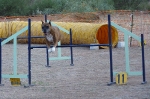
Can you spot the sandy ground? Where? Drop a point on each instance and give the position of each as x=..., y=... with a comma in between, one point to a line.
x=87, y=79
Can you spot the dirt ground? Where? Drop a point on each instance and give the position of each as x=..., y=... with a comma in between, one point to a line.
x=87, y=79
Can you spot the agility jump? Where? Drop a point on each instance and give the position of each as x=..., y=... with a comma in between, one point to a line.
x=71, y=46
x=141, y=40
x=71, y=50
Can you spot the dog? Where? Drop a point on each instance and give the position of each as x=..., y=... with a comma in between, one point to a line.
x=52, y=35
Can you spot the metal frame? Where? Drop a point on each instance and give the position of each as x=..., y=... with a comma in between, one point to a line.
x=126, y=36
x=80, y=45
x=140, y=39
x=14, y=37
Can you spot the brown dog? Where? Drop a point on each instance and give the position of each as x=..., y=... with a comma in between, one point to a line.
x=52, y=35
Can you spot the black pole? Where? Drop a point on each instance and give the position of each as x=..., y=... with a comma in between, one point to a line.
x=71, y=50
x=110, y=51
x=47, y=54
x=45, y=17
x=143, y=59
x=47, y=58
x=131, y=28
x=29, y=51
x=0, y=62
x=79, y=45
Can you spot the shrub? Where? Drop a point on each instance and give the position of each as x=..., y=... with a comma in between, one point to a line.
x=12, y=7
x=30, y=7
x=129, y=4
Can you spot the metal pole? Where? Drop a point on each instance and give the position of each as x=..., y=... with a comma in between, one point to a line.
x=29, y=51
x=79, y=45
x=45, y=17
x=71, y=50
x=143, y=59
x=0, y=62
x=131, y=28
x=110, y=51
x=47, y=54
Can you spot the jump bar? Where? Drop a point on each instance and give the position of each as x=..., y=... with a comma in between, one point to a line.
x=80, y=45
x=31, y=37
x=26, y=37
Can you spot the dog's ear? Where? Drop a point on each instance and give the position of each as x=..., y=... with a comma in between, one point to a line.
x=50, y=22
x=42, y=21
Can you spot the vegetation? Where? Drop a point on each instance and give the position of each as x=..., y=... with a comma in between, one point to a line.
x=33, y=7
x=131, y=4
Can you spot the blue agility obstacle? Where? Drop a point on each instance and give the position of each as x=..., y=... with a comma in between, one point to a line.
x=109, y=45
x=71, y=49
x=143, y=60
x=110, y=51
x=1, y=63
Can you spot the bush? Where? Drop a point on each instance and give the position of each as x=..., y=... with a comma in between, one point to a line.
x=144, y=6
x=30, y=7
x=85, y=5
x=129, y=4
x=12, y=7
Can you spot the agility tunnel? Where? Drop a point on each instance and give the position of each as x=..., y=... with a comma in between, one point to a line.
x=82, y=33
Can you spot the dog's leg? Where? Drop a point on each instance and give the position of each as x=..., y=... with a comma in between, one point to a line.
x=54, y=47
x=57, y=38
x=48, y=46
x=50, y=50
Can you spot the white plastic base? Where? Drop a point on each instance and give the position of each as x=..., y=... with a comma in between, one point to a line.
x=94, y=47
x=121, y=44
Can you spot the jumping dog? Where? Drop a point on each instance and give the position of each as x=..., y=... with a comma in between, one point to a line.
x=52, y=35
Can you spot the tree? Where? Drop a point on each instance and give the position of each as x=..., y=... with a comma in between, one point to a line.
x=12, y=7
x=128, y=4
